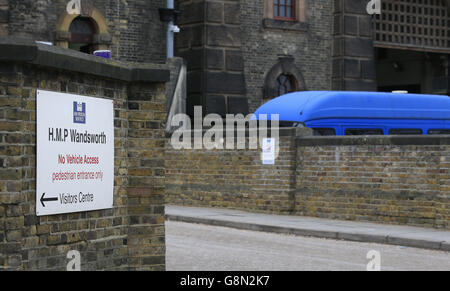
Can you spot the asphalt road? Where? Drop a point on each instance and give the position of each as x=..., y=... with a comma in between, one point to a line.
x=195, y=247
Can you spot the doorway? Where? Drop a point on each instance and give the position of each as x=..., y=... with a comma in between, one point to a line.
x=412, y=71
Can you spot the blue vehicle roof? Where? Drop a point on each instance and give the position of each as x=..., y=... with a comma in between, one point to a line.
x=313, y=105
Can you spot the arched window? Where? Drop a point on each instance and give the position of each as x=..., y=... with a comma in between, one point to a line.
x=82, y=31
x=85, y=32
x=283, y=78
x=285, y=83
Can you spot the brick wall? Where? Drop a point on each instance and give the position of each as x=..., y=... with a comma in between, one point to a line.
x=387, y=179
x=376, y=180
x=309, y=46
x=353, y=50
x=231, y=178
x=230, y=41
x=130, y=235
x=4, y=17
x=210, y=41
x=137, y=34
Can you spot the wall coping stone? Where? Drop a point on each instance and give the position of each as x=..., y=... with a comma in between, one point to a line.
x=374, y=140
x=282, y=132
x=14, y=49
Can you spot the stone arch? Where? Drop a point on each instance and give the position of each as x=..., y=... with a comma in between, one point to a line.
x=102, y=38
x=286, y=66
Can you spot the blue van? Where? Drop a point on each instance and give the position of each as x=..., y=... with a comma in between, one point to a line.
x=361, y=113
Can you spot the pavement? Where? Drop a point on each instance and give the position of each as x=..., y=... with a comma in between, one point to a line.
x=409, y=236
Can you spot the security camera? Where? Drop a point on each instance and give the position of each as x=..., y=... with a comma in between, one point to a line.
x=174, y=28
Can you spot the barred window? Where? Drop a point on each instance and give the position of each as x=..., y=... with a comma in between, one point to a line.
x=285, y=84
x=284, y=9
x=414, y=24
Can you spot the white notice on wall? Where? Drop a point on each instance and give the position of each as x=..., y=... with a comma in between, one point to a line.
x=75, y=153
x=268, y=151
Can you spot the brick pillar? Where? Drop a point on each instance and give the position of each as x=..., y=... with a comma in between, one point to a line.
x=353, y=50
x=146, y=176
x=210, y=42
x=14, y=138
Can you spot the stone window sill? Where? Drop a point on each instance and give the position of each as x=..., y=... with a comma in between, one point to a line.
x=285, y=25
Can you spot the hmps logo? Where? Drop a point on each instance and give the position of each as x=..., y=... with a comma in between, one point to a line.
x=79, y=112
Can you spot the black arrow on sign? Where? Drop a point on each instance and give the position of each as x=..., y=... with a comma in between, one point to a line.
x=47, y=199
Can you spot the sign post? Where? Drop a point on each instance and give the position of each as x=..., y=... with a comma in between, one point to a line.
x=75, y=153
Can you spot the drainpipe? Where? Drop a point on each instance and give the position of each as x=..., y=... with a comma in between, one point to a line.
x=170, y=15
x=170, y=33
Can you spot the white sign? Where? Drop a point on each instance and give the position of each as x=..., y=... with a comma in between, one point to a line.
x=268, y=151
x=75, y=153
